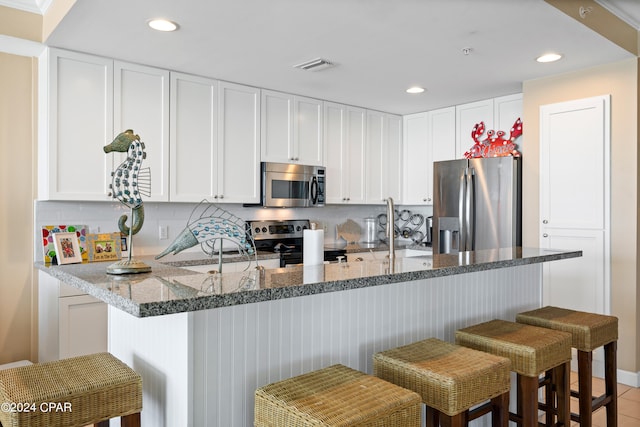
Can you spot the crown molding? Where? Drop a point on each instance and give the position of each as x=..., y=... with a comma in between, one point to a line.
x=33, y=6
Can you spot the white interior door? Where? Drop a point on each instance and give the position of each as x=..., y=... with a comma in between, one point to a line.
x=574, y=202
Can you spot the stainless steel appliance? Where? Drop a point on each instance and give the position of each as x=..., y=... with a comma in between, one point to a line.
x=285, y=237
x=291, y=185
x=477, y=204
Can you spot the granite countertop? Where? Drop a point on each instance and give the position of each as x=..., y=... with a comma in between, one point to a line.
x=170, y=289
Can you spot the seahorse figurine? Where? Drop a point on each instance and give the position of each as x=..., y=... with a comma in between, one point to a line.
x=130, y=181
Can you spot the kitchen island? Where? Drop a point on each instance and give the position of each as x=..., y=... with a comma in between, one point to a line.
x=203, y=343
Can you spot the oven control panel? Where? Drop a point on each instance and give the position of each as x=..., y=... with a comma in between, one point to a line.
x=285, y=229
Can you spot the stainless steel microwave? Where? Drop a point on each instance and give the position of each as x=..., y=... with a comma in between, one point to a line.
x=292, y=185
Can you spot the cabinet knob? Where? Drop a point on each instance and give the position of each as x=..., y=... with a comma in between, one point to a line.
x=544, y=221
x=222, y=196
x=545, y=235
x=424, y=200
x=215, y=197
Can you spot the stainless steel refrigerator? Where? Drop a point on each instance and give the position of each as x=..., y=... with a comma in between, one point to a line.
x=477, y=204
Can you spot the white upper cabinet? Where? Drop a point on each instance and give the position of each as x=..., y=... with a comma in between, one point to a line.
x=71, y=162
x=496, y=113
x=291, y=129
x=238, y=166
x=467, y=116
x=383, y=161
x=345, y=135
x=194, y=138
x=428, y=137
x=214, y=141
x=141, y=103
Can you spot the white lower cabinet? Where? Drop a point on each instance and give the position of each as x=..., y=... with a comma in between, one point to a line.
x=70, y=323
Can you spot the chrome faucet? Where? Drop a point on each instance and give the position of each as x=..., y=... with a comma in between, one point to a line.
x=391, y=221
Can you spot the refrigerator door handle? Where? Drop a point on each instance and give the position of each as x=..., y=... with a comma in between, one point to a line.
x=462, y=234
x=470, y=203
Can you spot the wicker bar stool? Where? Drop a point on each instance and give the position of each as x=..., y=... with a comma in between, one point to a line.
x=589, y=331
x=335, y=396
x=71, y=392
x=450, y=379
x=533, y=351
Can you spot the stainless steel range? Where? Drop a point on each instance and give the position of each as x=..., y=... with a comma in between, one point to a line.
x=286, y=238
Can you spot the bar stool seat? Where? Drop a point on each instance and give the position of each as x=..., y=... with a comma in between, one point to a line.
x=71, y=392
x=532, y=351
x=335, y=396
x=450, y=379
x=589, y=331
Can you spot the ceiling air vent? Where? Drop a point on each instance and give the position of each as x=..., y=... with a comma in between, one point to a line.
x=315, y=65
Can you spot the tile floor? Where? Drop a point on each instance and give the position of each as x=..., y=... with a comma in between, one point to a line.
x=628, y=404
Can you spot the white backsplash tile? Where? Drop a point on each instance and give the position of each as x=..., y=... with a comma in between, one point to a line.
x=103, y=217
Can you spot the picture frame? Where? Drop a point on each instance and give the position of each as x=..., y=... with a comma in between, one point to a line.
x=67, y=248
x=104, y=246
x=49, y=250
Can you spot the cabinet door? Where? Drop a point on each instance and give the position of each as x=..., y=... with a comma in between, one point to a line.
x=80, y=124
x=467, y=116
x=307, y=131
x=374, y=161
x=238, y=144
x=392, y=153
x=383, y=157
x=82, y=326
x=441, y=141
x=141, y=103
x=277, y=127
x=506, y=110
x=194, y=132
x=416, y=160
x=335, y=152
x=356, y=120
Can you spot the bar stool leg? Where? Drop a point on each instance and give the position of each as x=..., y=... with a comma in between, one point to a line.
x=611, y=382
x=432, y=416
x=500, y=411
x=561, y=379
x=528, y=400
x=549, y=396
x=585, y=389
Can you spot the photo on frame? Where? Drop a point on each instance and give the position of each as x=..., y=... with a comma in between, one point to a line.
x=67, y=248
x=104, y=246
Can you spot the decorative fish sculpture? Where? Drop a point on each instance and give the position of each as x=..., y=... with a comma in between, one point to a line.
x=129, y=181
x=207, y=224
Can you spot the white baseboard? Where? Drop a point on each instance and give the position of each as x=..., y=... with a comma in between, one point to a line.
x=629, y=378
x=624, y=377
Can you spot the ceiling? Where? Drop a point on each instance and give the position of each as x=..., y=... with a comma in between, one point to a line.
x=379, y=47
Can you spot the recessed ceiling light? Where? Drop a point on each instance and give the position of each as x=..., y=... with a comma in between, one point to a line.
x=162, y=25
x=549, y=57
x=415, y=89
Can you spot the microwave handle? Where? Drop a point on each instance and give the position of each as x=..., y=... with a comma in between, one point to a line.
x=314, y=190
